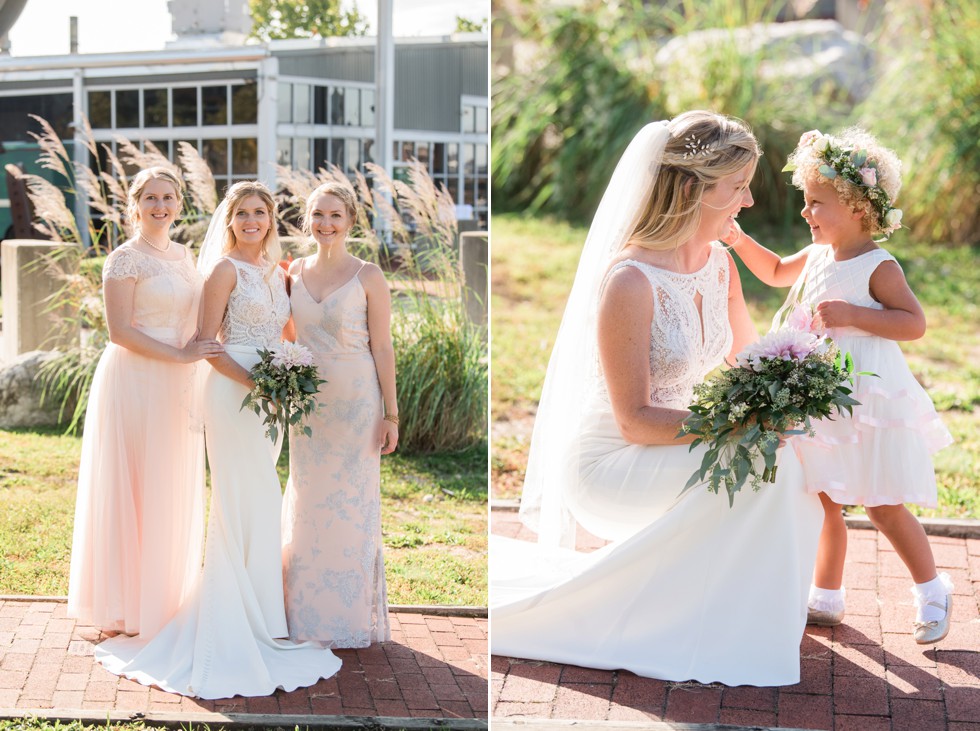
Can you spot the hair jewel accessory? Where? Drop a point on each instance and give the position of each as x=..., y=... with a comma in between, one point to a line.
x=695, y=147
x=854, y=166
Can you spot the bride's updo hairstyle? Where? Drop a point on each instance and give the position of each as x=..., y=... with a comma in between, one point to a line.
x=703, y=147
x=271, y=248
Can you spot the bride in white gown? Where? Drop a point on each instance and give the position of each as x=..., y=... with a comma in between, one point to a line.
x=223, y=640
x=689, y=589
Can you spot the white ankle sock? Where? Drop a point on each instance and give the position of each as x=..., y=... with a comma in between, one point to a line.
x=932, y=591
x=826, y=600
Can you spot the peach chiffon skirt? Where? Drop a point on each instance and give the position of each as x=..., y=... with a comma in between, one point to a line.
x=139, y=512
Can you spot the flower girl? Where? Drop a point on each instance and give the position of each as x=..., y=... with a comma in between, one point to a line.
x=880, y=457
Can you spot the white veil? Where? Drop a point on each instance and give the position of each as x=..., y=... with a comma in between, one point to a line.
x=553, y=461
x=210, y=250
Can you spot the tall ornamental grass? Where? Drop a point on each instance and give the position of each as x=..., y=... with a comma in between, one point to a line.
x=409, y=227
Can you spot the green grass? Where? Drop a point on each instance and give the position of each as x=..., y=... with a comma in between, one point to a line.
x=435, y=547
x=533, y=264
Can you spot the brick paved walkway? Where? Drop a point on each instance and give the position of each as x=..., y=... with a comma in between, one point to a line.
x=865, y=675
x=434, y=667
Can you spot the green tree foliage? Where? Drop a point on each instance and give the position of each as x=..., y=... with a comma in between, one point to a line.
x=465, y=25
x=280, y=19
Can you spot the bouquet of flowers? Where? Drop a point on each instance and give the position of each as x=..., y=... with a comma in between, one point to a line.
x=286, y=384
x=779, y=383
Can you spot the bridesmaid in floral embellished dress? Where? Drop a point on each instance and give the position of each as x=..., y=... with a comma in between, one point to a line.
x=332, y=554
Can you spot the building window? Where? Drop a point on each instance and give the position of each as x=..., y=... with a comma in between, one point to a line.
x=128, y=108
x=244, y=103
x=185, y=107
x=156, y=108
x=214, y=105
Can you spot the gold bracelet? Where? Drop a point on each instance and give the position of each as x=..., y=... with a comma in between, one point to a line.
x=393, y=418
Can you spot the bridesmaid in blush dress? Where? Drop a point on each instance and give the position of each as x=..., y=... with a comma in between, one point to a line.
x=139, y=512
x=332, y=553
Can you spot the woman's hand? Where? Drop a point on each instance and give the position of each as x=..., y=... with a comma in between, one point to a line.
x=197, y=349
x=387, y=436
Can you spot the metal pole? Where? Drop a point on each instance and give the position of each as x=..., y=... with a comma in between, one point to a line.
x=384, y=98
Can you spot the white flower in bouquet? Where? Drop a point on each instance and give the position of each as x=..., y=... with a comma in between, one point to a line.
x=290, y=355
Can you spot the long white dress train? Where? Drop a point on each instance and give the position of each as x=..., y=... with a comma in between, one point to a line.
x=690, y=589
x=223, y=642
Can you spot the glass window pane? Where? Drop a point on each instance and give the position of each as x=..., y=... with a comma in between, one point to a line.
x=244, y=104
x=452, y=158
x=320, y=101
x=408, y=151
x=301, y=153
x=284, y=151
x=352, y=109
x=128, y=108
x=244, y=157
x=215, y=154
x=185, y=107
x=221, y=184
x=469, y=157
x=468, y=119
x=337, y=153
x=481, y=159
x=422, y=153
x=301, y=103
x=214, y=105
x=439, y=157
x=337, y=106
x=321, y=152
x=481, y=192
x=452, y=185
x=285, y=102
x=99, y=109
x=352, y=152
x=368, y=154
x=367, y=108
x=155, y=108
x=481, y=120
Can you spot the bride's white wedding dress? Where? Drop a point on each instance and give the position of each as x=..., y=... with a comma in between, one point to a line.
x=223, y=640
x=690, y=589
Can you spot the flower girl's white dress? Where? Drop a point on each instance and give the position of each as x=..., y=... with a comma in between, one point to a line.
x=690, y=589
x=882, y=453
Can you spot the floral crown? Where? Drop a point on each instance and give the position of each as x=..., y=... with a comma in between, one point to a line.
x=853, y=166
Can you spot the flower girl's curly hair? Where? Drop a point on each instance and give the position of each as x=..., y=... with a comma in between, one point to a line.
x=837, y=153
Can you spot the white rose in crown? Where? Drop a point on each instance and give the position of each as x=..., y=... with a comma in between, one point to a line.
x=821, y=144
x=893, y=218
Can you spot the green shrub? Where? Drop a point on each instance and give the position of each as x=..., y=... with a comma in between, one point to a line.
x=561, y=122
x=927, y=107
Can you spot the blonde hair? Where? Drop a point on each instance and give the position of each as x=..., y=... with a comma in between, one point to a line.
x=888, y=169
x=271, y=247
x=138, y=184
x=345, y=193
x=703, y=148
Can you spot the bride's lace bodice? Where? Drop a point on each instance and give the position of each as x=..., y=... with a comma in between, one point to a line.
x=680, y=357
x=258, y=307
